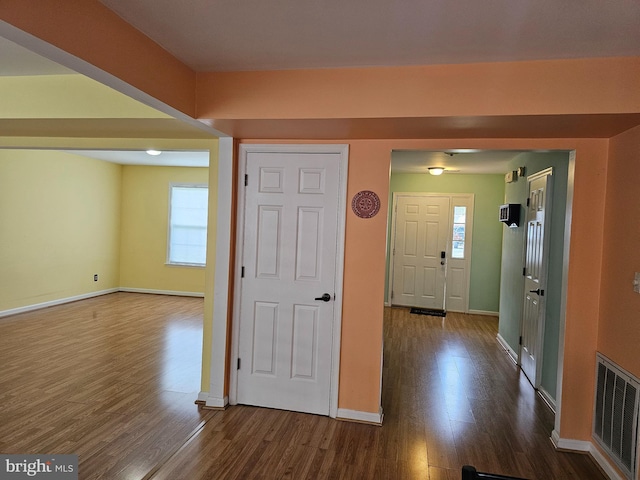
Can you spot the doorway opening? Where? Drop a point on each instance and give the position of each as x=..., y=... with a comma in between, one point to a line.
x=496, y=278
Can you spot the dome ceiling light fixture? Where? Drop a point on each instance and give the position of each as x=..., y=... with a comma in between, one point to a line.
x=436, y=170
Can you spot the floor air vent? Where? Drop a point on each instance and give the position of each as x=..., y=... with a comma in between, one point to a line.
x=615, y=425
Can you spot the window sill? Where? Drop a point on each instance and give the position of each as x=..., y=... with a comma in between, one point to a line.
x=188, y=265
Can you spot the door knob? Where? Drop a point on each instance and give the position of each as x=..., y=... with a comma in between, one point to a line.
x=537, y=291
x=325, y=297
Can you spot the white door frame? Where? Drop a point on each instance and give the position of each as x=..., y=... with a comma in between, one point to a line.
x=542, y=312
x=343, y=151
x=468, y=237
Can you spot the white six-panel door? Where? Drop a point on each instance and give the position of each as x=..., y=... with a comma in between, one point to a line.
x=289, y=262
x=536, y=258
x=422, y=231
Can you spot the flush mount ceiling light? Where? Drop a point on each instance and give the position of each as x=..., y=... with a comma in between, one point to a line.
x=153, y=153
x=436, y=170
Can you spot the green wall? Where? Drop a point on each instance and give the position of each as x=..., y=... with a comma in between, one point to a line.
x=512, y=280
x=488, y=190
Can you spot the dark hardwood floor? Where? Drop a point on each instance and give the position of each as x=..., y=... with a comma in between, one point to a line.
x=114, y=379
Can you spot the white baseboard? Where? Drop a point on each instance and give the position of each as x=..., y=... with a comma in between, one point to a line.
x=361, y=417
x=484, y=312
x=569, y=444
x=512, y=353
x=84, y=296
x=586, y=447
x=161, y=292
x=548, y=399
x=52, y=303
x=604, y=464
x=207, y=401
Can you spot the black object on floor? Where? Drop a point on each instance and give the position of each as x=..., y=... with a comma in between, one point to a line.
x=470, y=473
x=428, y=311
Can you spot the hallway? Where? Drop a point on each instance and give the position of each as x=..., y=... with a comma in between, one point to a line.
x=466, y=402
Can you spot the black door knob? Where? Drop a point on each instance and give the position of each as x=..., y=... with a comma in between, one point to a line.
x=325, y=297
x=535, y=291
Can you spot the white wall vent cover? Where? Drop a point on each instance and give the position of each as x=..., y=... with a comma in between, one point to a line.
x=615, y=425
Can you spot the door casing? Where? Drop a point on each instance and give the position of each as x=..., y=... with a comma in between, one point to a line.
x=244, y=150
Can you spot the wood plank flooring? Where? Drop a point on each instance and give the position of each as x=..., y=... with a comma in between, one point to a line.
x=113, y=379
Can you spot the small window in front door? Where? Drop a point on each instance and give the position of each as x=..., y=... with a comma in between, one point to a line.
x=459, y=225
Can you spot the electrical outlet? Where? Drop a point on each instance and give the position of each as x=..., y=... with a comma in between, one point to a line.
x=95, y=277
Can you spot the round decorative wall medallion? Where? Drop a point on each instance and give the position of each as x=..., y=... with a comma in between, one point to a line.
x=365, y=204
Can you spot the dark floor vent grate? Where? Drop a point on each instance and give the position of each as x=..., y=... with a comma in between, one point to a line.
x=615, y=425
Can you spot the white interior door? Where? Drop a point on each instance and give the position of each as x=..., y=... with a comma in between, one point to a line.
x=536, y=257
x=420, y=251
x=290, y=241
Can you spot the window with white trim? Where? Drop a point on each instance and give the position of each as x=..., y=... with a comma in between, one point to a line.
x=188, y=206
x=459, y=227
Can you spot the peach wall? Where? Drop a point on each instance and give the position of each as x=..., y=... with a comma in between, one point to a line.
x=619, y=330
x=583, y=301
x=92, y=32
x=364, y=273
x=516, y=88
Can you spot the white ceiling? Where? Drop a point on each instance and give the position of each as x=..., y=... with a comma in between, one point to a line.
x=228, y=35
x=135, y=157
x=453, y=161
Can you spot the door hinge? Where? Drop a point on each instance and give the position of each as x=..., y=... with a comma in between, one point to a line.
x=524, y=271
x=528, y=201
x=519, y=343
x=242, y=272
x=246, y=180
x=238, y=363
x=391, y=293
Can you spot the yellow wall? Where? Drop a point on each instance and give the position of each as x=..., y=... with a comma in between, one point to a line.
x=64, y=218
x=59, y=225
x=67, y=96
x=145, y=212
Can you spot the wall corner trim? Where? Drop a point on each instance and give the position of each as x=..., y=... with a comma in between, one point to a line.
x=586, y=447
x=548, y=399
x=360, y=417
x=207, y=401
x=510, y=351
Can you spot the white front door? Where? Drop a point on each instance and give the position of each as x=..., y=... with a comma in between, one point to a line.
x=536, y=259
x=420, y=251
x=289, y=263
